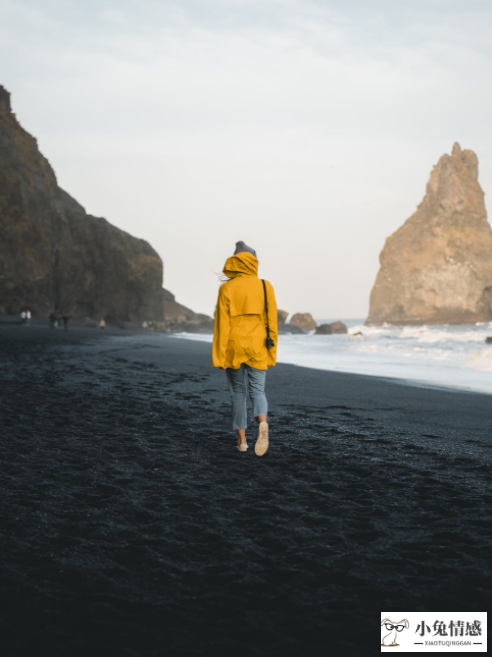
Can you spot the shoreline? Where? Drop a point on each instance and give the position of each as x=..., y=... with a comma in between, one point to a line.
x=79, y=334
x=76, y=326
x=419, y=383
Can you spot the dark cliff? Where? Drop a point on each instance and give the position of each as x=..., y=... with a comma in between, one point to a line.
x=54, y=256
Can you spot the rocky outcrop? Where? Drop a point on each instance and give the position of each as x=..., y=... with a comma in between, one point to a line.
x=304, y=321
x=281, y=318
x=437, y=268
x=54, y=256
x=180, y=318
x=333, y=328
x=176, y=312
x=290, y=328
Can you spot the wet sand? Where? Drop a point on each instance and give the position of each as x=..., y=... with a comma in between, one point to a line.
x=130, y=525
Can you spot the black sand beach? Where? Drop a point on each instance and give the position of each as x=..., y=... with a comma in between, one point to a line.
x=131, y=525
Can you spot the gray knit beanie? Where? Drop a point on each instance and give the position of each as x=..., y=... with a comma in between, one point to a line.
x=241, y=246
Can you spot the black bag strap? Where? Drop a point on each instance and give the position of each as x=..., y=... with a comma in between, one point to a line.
x=266, y=308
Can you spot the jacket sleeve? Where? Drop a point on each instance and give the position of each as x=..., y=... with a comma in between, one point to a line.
x=222, y=328
x=273, y=322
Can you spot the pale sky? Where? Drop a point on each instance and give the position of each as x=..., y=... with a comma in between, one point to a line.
x=307, y=129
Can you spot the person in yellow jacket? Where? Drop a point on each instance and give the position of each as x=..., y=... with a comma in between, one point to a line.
x=239, y=344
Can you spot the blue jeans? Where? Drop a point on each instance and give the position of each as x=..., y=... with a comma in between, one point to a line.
x=244, y=380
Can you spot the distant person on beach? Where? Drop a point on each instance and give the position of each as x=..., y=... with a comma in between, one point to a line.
x=28, y=317
x=102, y=324
x=245, y=341
x=65, y=319
x=23, y=317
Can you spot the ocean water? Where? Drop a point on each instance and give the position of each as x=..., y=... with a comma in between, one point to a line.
x=453, y=356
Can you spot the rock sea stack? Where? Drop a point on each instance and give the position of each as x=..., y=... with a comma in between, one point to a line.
x=437, y=267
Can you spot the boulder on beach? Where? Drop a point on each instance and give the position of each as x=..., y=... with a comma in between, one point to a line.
x=291, y=328
x=437, y=267
x=488, y=340
x=281, y=317
x=333, y=328
x=304, y=321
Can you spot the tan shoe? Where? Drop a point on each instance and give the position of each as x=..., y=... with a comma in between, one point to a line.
x=261, y=445
x=242, y=447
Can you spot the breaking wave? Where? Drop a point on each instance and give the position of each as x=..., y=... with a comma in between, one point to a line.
x=446, y=355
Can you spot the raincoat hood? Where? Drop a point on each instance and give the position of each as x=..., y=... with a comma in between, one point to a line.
x=243, y=263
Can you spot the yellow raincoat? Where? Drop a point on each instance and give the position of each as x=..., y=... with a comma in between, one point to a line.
x=240, y=320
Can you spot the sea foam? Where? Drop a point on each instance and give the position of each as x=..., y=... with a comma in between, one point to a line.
x=454, y=356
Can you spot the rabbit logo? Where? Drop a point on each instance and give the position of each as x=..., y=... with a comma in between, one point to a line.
x=389, y=641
